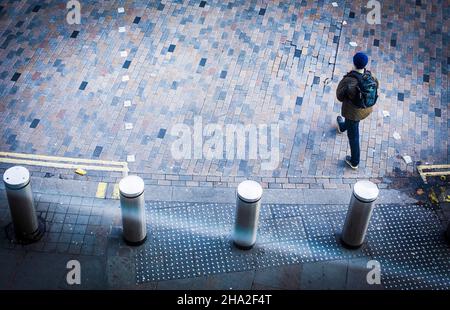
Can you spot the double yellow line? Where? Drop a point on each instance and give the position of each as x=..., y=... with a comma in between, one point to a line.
x=69, y=163
x=433, y=171
x=63, y=162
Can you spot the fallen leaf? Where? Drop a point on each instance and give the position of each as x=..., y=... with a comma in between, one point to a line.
x=433, y=198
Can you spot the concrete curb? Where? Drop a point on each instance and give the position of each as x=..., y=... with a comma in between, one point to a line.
x=53, y=186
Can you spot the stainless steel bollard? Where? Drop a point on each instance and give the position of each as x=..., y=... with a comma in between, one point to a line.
x=359, y=213
x=132, y=203
x=27, y=228
x=248, y=203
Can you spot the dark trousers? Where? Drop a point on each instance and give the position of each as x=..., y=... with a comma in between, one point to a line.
x=352, y=128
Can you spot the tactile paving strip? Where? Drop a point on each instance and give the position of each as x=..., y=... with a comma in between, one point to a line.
x=194, y=239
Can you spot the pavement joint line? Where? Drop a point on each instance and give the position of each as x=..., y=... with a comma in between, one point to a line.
x=127, y=103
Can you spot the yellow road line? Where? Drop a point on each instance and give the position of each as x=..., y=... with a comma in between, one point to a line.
x=64, y=162
x=70, y=163
x=433, y=167
x=57, y=158
x=101, y=190
x=62, y=165
x=430, y=173
x=116, y=192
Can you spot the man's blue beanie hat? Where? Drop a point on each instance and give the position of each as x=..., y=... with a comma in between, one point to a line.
x=360, y=60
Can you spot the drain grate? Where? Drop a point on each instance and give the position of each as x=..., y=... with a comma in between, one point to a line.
x=193, y=239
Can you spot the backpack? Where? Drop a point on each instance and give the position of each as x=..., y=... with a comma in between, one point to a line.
x=367, y=87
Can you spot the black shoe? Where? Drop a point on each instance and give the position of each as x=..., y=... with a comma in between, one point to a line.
x=339, y=120
x=348, y=160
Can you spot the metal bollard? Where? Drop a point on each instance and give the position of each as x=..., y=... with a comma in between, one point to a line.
x=132, y=203
x=359, y=213
x=27, y=227
x=248, y=203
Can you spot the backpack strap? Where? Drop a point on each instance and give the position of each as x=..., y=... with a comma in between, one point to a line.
x=357, y=76
x=359, y=87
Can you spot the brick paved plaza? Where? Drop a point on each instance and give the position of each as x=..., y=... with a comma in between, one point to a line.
x=63, y=91
x=117, y=86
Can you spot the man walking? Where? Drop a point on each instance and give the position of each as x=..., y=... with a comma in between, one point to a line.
x=358, y=92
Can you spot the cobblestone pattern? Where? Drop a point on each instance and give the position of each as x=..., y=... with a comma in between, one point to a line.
x=63, y=93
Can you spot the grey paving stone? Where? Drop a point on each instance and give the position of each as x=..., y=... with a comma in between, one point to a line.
x=9, y=260
x=233, y=281
x=183, y=284
x=317, y=196
x=283, y=277
x=324, y=275
x=215, y=195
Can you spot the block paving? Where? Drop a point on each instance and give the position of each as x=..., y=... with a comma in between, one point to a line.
x=64, y=88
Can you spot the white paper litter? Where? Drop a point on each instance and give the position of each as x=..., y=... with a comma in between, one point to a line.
x=354, y=44
x=128, y=126
x=344, y=23
x=125, y=78
x=407, y=159
x=131, y=158
x=121, y=10
x=396, y=136
x=122, y=29
x=127, y=103
x=123, y=54
x=334, y=4
x=386, y=114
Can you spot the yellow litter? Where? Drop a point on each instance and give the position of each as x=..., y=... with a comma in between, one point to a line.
x=433, y=198
x=80, y=171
